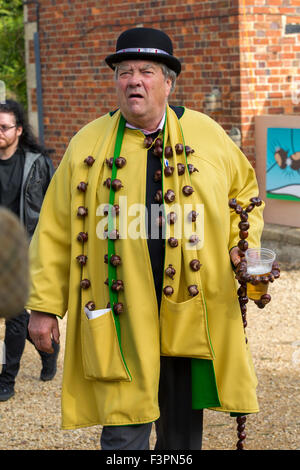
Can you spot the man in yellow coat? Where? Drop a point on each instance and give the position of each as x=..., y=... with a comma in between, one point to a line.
x=136, y=242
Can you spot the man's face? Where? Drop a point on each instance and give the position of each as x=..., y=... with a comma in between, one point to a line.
x=142, y=92
x=9, y=138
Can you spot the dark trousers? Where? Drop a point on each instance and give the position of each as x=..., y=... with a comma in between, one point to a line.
x=178, y=428
x=16, y=333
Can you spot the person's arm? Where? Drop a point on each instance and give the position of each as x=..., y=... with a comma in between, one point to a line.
x=242, y=187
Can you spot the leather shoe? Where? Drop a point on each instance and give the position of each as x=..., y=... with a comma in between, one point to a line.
x=6, y=392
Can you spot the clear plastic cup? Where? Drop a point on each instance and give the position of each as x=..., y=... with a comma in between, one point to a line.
x=259, y=264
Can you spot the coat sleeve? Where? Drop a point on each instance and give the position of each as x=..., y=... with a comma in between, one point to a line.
x=50, y=246
x=243, y=186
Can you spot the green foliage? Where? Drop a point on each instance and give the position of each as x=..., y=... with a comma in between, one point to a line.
x=12, y=49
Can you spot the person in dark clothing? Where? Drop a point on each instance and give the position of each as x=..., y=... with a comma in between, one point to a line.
x=25, y=173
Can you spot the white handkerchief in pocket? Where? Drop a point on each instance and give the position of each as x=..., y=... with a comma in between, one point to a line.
x=91, y=314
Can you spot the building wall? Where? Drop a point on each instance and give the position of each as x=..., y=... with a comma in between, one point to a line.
x=235, y=45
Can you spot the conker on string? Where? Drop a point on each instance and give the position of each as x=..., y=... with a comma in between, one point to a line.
x=243, y=234
x=171, y=218
x=82, y=236
x=157, y=176
x=192, y=216
x=115, y=260
x=179, y=149
x=158, y=196
x=250, y=208
x=168, y=171
x=107, y=182
x=188, y=150
x=180, y=168
x=158, y=151
x=109, y=162
x=238, y=209
x=114, y=235
x=120, y=162
x=256, y=200
x=243, y=245
x=265, y=299
x=194, y=239
x=232, y=203
x=193, y=290
x=106, y=258
x=82, y=211
x=158, y=142
x=173, y=242
x=117, y=285
x=90, y=305
x=168, y=290
x=168, y=152
x=82, y=259
x=192, y=168
x=116, y=184
x=118, y=308
x=244, y=216
x=82, y=186
x=195, y=265
x=148, y=141
x=244, y=226
x=85, y=284
x=187, y=190
x=160, y=221
x=169, y=196
x=89, y=160
x=170, y=271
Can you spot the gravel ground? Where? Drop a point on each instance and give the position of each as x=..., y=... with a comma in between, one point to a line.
x=31, y=419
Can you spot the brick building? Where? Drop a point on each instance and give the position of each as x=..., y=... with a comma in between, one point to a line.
x=246, y=53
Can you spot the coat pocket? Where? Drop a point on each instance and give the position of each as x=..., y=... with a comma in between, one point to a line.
x=184, y=330
x=101, y=353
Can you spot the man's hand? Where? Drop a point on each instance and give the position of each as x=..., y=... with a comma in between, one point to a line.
x=234, y=255
x=43, y=328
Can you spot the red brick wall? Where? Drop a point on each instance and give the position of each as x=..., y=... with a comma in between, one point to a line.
x=250, y=69
x=269, y=62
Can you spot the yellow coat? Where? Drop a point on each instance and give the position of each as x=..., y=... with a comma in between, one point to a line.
x=107, y=384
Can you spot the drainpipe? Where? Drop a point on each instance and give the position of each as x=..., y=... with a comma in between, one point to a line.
x=39, y=92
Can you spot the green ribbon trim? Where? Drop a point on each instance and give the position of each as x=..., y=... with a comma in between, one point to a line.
x=112, y=271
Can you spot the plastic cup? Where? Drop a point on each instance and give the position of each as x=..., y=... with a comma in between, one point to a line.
x=259, y=264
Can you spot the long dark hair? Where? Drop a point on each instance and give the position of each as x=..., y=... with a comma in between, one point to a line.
x=27, y=139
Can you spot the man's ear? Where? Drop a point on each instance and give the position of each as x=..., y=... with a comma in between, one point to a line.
x=19, y=131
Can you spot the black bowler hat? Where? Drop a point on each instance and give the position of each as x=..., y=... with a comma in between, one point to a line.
x=144, y=43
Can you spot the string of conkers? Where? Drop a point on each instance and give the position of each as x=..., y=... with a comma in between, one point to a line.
x=243, y=278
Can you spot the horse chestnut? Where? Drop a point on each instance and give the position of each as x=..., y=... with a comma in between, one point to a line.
x=179, y=149
x=82, y=236
x=193, y=290
x=180, y=168
x=187, y=190
x=85, y=284
x=173, y=242
x=195, y=265
x=170, y=271
x=82, y=211
x=89, y=160
x=168, y=290
x=118, y=308
x=169, y=196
